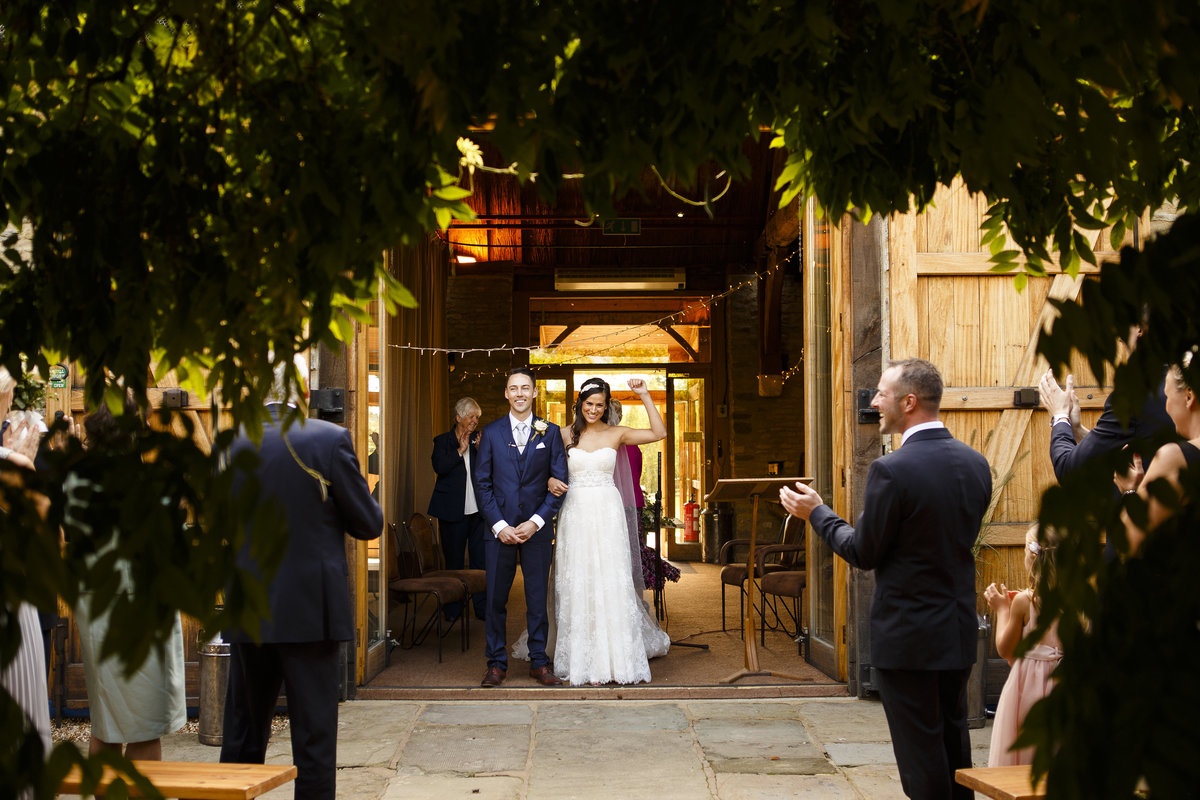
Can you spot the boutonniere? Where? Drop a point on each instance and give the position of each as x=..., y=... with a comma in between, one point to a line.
x=540, y=427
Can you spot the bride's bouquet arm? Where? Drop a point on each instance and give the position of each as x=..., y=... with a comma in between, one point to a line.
x=657, y=430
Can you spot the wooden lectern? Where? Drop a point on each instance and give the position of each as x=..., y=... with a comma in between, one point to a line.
x=729, y=490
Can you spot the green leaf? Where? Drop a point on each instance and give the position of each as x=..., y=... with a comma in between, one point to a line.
x=443, y=216
x=452, y=193
x=1117, y=235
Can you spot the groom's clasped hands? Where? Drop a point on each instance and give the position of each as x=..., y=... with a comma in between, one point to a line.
x=518, y=535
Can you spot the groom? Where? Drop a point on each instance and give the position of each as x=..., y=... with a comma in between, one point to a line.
x=517, y=455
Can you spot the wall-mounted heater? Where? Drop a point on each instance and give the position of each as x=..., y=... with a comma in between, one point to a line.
x=616, y=279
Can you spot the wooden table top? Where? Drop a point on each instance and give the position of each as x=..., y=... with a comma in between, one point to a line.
x=1001, y=783
x=197, y=780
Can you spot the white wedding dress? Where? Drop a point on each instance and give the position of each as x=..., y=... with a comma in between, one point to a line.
x=605, y=632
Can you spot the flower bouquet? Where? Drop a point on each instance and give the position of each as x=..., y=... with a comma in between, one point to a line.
x=650, y=562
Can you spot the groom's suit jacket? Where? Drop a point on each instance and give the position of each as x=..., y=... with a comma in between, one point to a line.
x=511, y=486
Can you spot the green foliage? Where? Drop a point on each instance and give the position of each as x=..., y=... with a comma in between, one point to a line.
x=1131, y=629
x=210, y=183
x=1126, y=700
x=30, y=393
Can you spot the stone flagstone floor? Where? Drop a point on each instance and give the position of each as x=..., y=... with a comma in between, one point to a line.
x=558, y=750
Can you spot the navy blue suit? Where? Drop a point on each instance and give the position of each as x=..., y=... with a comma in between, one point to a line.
x=922, y=510
x=309, y=598
x=511, y=486
x=459, y=531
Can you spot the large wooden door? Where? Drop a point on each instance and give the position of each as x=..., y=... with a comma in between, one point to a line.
x=921, y=285
x=945, y=305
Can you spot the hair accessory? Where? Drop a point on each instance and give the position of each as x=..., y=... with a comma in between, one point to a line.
x=592, y=383
x=1033, y=547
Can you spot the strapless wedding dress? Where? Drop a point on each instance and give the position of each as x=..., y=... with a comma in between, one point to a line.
x=605, y=633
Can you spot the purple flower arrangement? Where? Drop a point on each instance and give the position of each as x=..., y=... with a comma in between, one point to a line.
x=650, y=562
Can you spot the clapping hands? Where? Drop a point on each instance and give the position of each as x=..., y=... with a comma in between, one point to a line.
x=1130, y=479
x=21, y=440
x=997, y=598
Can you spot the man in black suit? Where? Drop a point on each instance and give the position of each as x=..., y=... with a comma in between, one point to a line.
x=310, y=475
x=1072, y=445
x=454, y=503
x=922, y=510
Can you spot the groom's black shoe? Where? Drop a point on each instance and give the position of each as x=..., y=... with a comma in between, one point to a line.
x=493, y=677
x=545, y=675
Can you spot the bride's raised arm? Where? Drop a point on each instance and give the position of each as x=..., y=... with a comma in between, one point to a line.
x=657, y=430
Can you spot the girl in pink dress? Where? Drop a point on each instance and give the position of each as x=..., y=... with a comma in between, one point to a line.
x=1029, y=678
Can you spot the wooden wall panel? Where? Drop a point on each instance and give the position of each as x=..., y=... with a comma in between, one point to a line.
x=940, y=327
x=981, y=332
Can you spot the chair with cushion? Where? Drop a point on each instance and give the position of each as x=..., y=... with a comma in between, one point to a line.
x=441, y=590
x=733, y=560
x=787, y=583
x=431, y=561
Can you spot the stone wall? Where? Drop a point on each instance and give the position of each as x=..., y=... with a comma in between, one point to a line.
x=479, y=314
x=763, y=429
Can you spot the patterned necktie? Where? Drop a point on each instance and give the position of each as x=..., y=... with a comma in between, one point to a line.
x=522, y=434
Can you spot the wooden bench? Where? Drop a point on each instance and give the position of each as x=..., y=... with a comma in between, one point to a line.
x=1001, y=783
x=195, y=780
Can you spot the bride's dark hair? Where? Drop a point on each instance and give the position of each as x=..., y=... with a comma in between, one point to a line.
x=590, y=387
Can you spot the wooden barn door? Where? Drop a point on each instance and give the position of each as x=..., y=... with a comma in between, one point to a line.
x=946, y=306
x=66, y=676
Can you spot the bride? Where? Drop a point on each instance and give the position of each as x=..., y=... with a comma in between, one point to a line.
x=604, y=631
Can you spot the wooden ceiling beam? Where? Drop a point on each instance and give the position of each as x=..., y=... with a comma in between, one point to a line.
x=782, y=228
x=684, y=343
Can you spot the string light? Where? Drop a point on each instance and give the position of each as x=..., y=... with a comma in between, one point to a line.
x=793, y=370
x=682, y=313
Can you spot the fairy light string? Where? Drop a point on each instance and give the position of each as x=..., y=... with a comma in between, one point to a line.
x=506, y=349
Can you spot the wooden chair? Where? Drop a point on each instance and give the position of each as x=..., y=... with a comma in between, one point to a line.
x=788, y=583
x=431, y=560
x=441, y=589
x=733, y=569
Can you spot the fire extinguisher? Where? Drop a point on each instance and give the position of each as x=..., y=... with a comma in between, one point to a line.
x=691, y=521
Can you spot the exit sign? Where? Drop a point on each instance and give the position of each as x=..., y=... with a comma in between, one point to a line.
x=622, y=226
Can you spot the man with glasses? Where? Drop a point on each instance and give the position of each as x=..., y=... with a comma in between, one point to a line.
x=922, y=510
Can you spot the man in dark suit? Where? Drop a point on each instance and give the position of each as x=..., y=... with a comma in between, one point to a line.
x=454, y=502
x=518, y=454
x=922, y=510
x=310, y=475
x=1072, y=445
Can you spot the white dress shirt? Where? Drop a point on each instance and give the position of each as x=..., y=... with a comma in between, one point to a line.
x=470, y=504
x=921, y=426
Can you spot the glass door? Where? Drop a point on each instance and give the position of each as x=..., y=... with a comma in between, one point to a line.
x=818, y=398
x=554, y=399
x=378, y=550
x=689, y=461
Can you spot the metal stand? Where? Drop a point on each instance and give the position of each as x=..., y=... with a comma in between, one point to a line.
x=660, y=583
x=740, y=489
